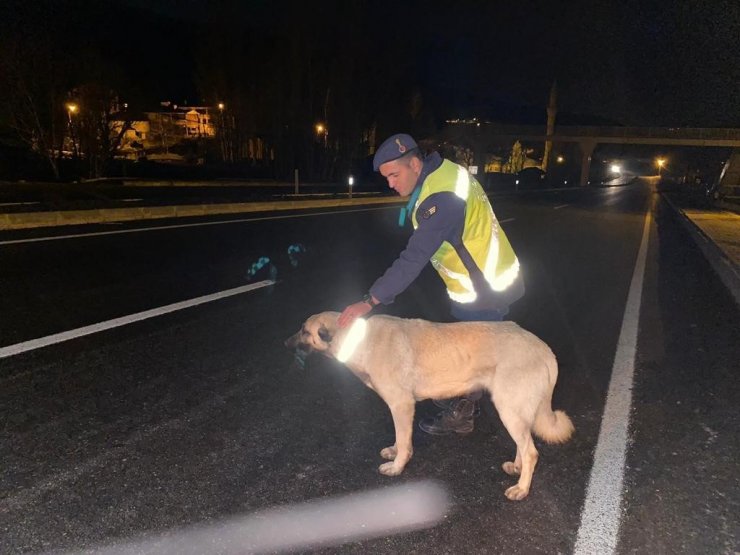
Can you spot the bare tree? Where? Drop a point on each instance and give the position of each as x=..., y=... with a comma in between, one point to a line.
x=32, y=84
x=101, y=125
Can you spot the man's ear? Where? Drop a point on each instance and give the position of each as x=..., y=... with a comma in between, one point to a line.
x=325, y=335
x=416, y=165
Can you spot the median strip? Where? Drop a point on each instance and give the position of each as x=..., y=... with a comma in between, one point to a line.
x=26, y=220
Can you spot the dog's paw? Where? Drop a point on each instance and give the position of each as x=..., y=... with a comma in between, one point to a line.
x=389, y=453
x=516, y=493
x=511, y=469
x=390, y=469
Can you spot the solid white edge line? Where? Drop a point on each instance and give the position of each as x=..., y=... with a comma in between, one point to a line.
x=18, y=348
x=560, y=206
x=601, y=517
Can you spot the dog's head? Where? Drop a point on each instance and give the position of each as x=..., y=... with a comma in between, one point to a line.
x=316, y=333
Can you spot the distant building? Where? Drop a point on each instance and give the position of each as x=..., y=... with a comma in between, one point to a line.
x=152, y=134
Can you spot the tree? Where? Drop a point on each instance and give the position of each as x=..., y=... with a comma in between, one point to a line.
x=516, y=159
x=33, y=86
x=100, y=126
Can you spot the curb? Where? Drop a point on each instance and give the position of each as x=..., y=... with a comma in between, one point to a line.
x=728, y=273
x=25, y=220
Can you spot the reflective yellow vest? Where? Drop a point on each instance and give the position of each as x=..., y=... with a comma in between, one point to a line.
x=482, y=236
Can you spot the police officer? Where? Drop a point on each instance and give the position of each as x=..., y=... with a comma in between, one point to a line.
x=454, y=228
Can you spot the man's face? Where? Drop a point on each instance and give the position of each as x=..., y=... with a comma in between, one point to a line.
x=402, y=174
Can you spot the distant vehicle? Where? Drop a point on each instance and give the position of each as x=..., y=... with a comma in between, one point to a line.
x=530, y=178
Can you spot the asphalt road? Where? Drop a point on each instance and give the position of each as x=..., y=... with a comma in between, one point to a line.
x=199, y=416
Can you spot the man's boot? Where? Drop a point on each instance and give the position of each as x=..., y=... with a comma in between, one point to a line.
x=457, y=418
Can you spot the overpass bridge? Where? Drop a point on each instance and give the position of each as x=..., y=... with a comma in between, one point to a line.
x=480, y=136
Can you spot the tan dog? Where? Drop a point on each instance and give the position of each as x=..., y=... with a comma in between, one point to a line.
x=405, y=361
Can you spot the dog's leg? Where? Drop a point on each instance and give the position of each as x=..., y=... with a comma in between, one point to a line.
x=514, y=468
x=526, y=453
x=401, y=451
x=389, y=453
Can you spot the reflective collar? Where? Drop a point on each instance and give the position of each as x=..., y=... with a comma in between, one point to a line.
x=353, y=338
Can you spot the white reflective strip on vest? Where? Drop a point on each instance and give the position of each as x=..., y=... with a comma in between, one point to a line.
x=355, y=334
x=463, y=279
x=499, y=283
x=489, y=270
x=462, y=185
x=507, y=277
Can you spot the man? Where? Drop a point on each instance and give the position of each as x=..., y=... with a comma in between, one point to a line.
x=455, y=228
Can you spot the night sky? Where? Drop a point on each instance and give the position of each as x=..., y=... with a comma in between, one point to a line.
x=634, y=62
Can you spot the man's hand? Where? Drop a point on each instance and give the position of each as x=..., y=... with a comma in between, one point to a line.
x=352, y=312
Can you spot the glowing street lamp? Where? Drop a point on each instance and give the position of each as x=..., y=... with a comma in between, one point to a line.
x=221, y=106
x=661, y=163
x=350, y=182
x=321, y=130
x=72, y=109
x=560, y=159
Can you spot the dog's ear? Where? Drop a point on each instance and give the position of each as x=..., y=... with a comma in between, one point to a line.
x=325, y=335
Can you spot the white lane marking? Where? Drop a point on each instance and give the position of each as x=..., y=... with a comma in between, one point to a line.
x=600, y=516
x=560, y=206
x=17, y=203
x=18, y=348
x=197, y=224
x=506, y=220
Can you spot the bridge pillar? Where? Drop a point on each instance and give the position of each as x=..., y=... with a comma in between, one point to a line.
x=587, y=149
x=729, y=180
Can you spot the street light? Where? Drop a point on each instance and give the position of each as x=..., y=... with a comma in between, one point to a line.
x=350, y=182
x=661, y=163
x=72, y=109
x=321, y=130
x=560, y=159
x=222, y=130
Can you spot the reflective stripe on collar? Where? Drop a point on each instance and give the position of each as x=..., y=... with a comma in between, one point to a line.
x=353, y=338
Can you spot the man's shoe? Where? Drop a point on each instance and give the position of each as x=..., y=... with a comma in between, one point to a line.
x=459, y=419
x=449, y=404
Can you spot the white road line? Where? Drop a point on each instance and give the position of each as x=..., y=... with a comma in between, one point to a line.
x=600, y=516
x=198, y=224
x=560, y=206
x=17, y=203
x=124, y=320
x=506, y=220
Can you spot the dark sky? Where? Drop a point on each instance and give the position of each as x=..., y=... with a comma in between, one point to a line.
x=670, y=63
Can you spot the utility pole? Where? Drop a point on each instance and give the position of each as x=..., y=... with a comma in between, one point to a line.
x=552, y=110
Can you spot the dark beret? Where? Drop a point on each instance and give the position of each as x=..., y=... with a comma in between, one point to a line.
x=393, y=148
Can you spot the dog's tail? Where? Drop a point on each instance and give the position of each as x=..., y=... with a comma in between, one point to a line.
x=552, y=426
